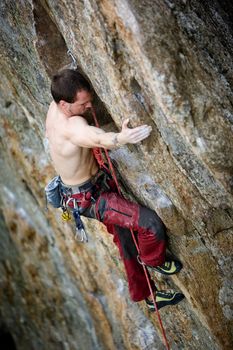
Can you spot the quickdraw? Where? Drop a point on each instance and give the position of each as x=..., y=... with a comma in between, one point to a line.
x=80, y=232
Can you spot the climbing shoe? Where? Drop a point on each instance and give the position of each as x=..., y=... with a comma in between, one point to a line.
x=170, y=267
x=163, y=299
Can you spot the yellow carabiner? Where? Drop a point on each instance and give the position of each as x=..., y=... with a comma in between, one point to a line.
x=66, y=216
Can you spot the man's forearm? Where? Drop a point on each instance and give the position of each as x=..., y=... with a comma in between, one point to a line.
x=109, y=140
x=96, y=137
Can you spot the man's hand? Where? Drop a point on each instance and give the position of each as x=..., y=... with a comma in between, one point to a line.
x=134, y=135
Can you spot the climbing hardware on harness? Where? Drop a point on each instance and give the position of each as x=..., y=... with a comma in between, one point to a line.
x=66, y=215
x=80, y=234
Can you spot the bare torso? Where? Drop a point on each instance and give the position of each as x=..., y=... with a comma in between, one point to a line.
x=74, y=164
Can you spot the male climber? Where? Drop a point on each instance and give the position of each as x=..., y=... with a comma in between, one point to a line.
x=71, y=143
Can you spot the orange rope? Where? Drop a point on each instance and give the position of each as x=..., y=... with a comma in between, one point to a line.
x=98, y=155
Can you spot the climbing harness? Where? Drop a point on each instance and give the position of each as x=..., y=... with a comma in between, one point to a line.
x=60, y=198
x=78, y=199
x=76, y=203
x=99, y=157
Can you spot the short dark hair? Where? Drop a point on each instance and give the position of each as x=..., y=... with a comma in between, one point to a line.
x=66, y=83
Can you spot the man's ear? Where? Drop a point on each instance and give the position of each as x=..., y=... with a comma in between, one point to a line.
x=63, y=105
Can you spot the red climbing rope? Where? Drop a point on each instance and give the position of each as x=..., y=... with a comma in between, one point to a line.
x=99, y=157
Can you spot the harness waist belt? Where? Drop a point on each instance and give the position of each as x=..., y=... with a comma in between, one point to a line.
x=85, y=186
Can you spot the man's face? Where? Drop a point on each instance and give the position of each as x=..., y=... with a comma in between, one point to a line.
x=82, y=103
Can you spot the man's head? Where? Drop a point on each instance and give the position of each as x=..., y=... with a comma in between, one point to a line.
x=71, y=91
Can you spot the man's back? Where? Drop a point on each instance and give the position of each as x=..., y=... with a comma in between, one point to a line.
x=73, y=163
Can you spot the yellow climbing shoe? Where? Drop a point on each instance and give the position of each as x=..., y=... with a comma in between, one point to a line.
x=163, y=298
x=170, y=267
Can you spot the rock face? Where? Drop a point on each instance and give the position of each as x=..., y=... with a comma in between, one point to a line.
x=165, y=63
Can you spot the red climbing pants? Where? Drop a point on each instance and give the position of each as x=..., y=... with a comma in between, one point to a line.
x=120, y=215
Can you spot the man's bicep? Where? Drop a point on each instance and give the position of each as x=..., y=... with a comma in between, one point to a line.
x=91, y=136
x=86, y=136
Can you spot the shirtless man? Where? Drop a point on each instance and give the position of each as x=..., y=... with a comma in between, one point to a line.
x=71, y=141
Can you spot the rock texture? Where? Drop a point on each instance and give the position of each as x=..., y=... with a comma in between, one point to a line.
x=165, y=63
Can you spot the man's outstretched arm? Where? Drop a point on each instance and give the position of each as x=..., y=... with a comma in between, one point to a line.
x=84, y=135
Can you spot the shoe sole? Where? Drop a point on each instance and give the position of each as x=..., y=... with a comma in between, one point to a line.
x=164, y=303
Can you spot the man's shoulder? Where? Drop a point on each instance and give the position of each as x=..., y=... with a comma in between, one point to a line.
x=51, y=108
x=78, y=119
x=52, y=104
